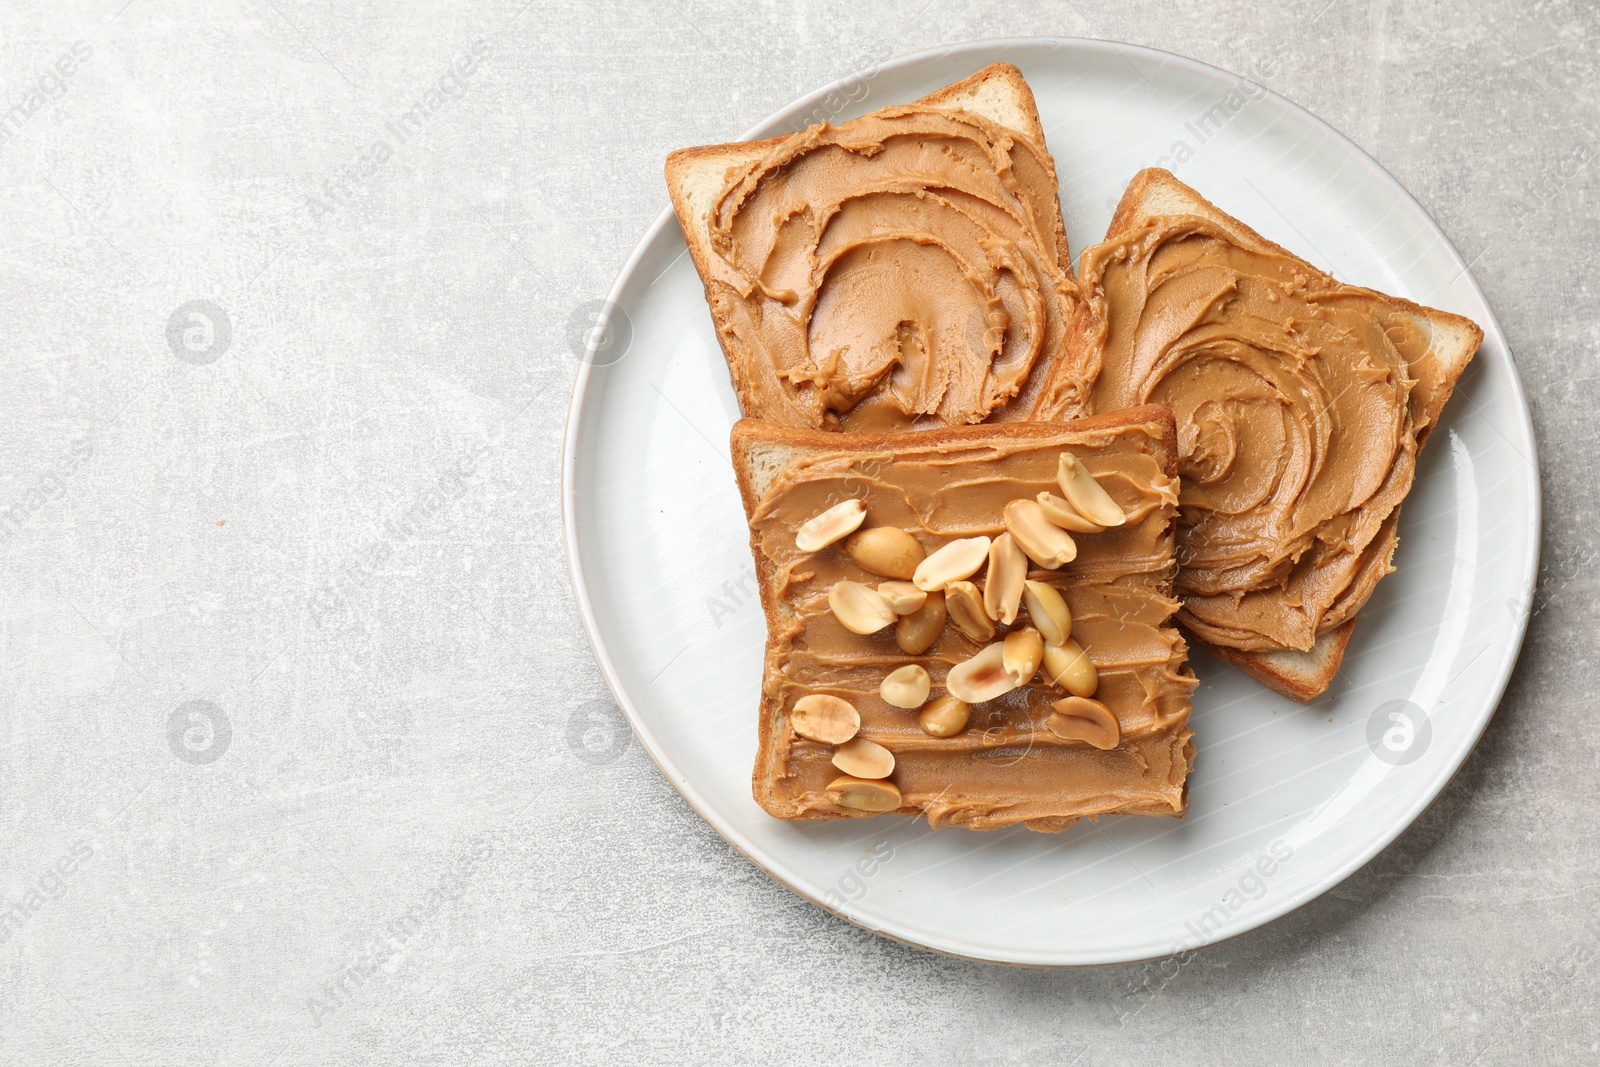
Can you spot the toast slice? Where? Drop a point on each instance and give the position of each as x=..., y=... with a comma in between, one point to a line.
x=917, y=275
x=1007, y=766
x=1411, y=354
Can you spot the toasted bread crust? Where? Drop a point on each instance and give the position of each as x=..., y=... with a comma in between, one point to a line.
x=749, y=436
x=1300, y=676
x=1009, y=74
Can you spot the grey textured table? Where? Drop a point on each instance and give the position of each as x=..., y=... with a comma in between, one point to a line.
x=303, y=756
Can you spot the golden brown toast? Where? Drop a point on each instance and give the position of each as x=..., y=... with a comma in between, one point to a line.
x=1446, y=342
x=1006, y=767
x=788, y=366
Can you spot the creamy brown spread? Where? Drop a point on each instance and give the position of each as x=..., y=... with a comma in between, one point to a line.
x=1298, y=415
x=1006, y=767
x=903, y=269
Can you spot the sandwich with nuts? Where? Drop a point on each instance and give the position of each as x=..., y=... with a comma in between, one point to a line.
x=906, y=269
x=1301, y=403
x=969, y=624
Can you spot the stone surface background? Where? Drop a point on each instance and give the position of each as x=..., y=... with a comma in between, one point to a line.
x=279, y=701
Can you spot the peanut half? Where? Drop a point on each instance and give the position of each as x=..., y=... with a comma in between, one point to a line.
x=916, y=633
x=906, y=687
x=1086, y=495
x=1064, y=515
x=1081, y=719
x=1049, y=611
x=864, y=794
x=820, y=531
x=902, y=597
x=859, y=608
x=1002, y=586
x=945, y=717
x=1021, y=653
x=828, y=719
x=1068, y=666
x=983, y=677
x=886, y=551
x=1046, y=544
x=965, y=605
x=861, y=758
x=959, y=559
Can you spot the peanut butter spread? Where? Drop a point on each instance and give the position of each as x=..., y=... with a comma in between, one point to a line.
x=900, y=270
x=1298, y=416
x=1006, y=767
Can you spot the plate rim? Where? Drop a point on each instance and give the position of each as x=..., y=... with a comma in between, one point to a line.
x=777, y=869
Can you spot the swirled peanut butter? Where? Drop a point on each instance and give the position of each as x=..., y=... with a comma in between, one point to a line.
x=1007, y=766
x=1298, y=413
x=903, y=269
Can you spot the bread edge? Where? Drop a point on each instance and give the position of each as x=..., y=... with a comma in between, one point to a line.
x=1300, y=676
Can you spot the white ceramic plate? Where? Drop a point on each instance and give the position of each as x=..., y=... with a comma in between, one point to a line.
x=1286, y=800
